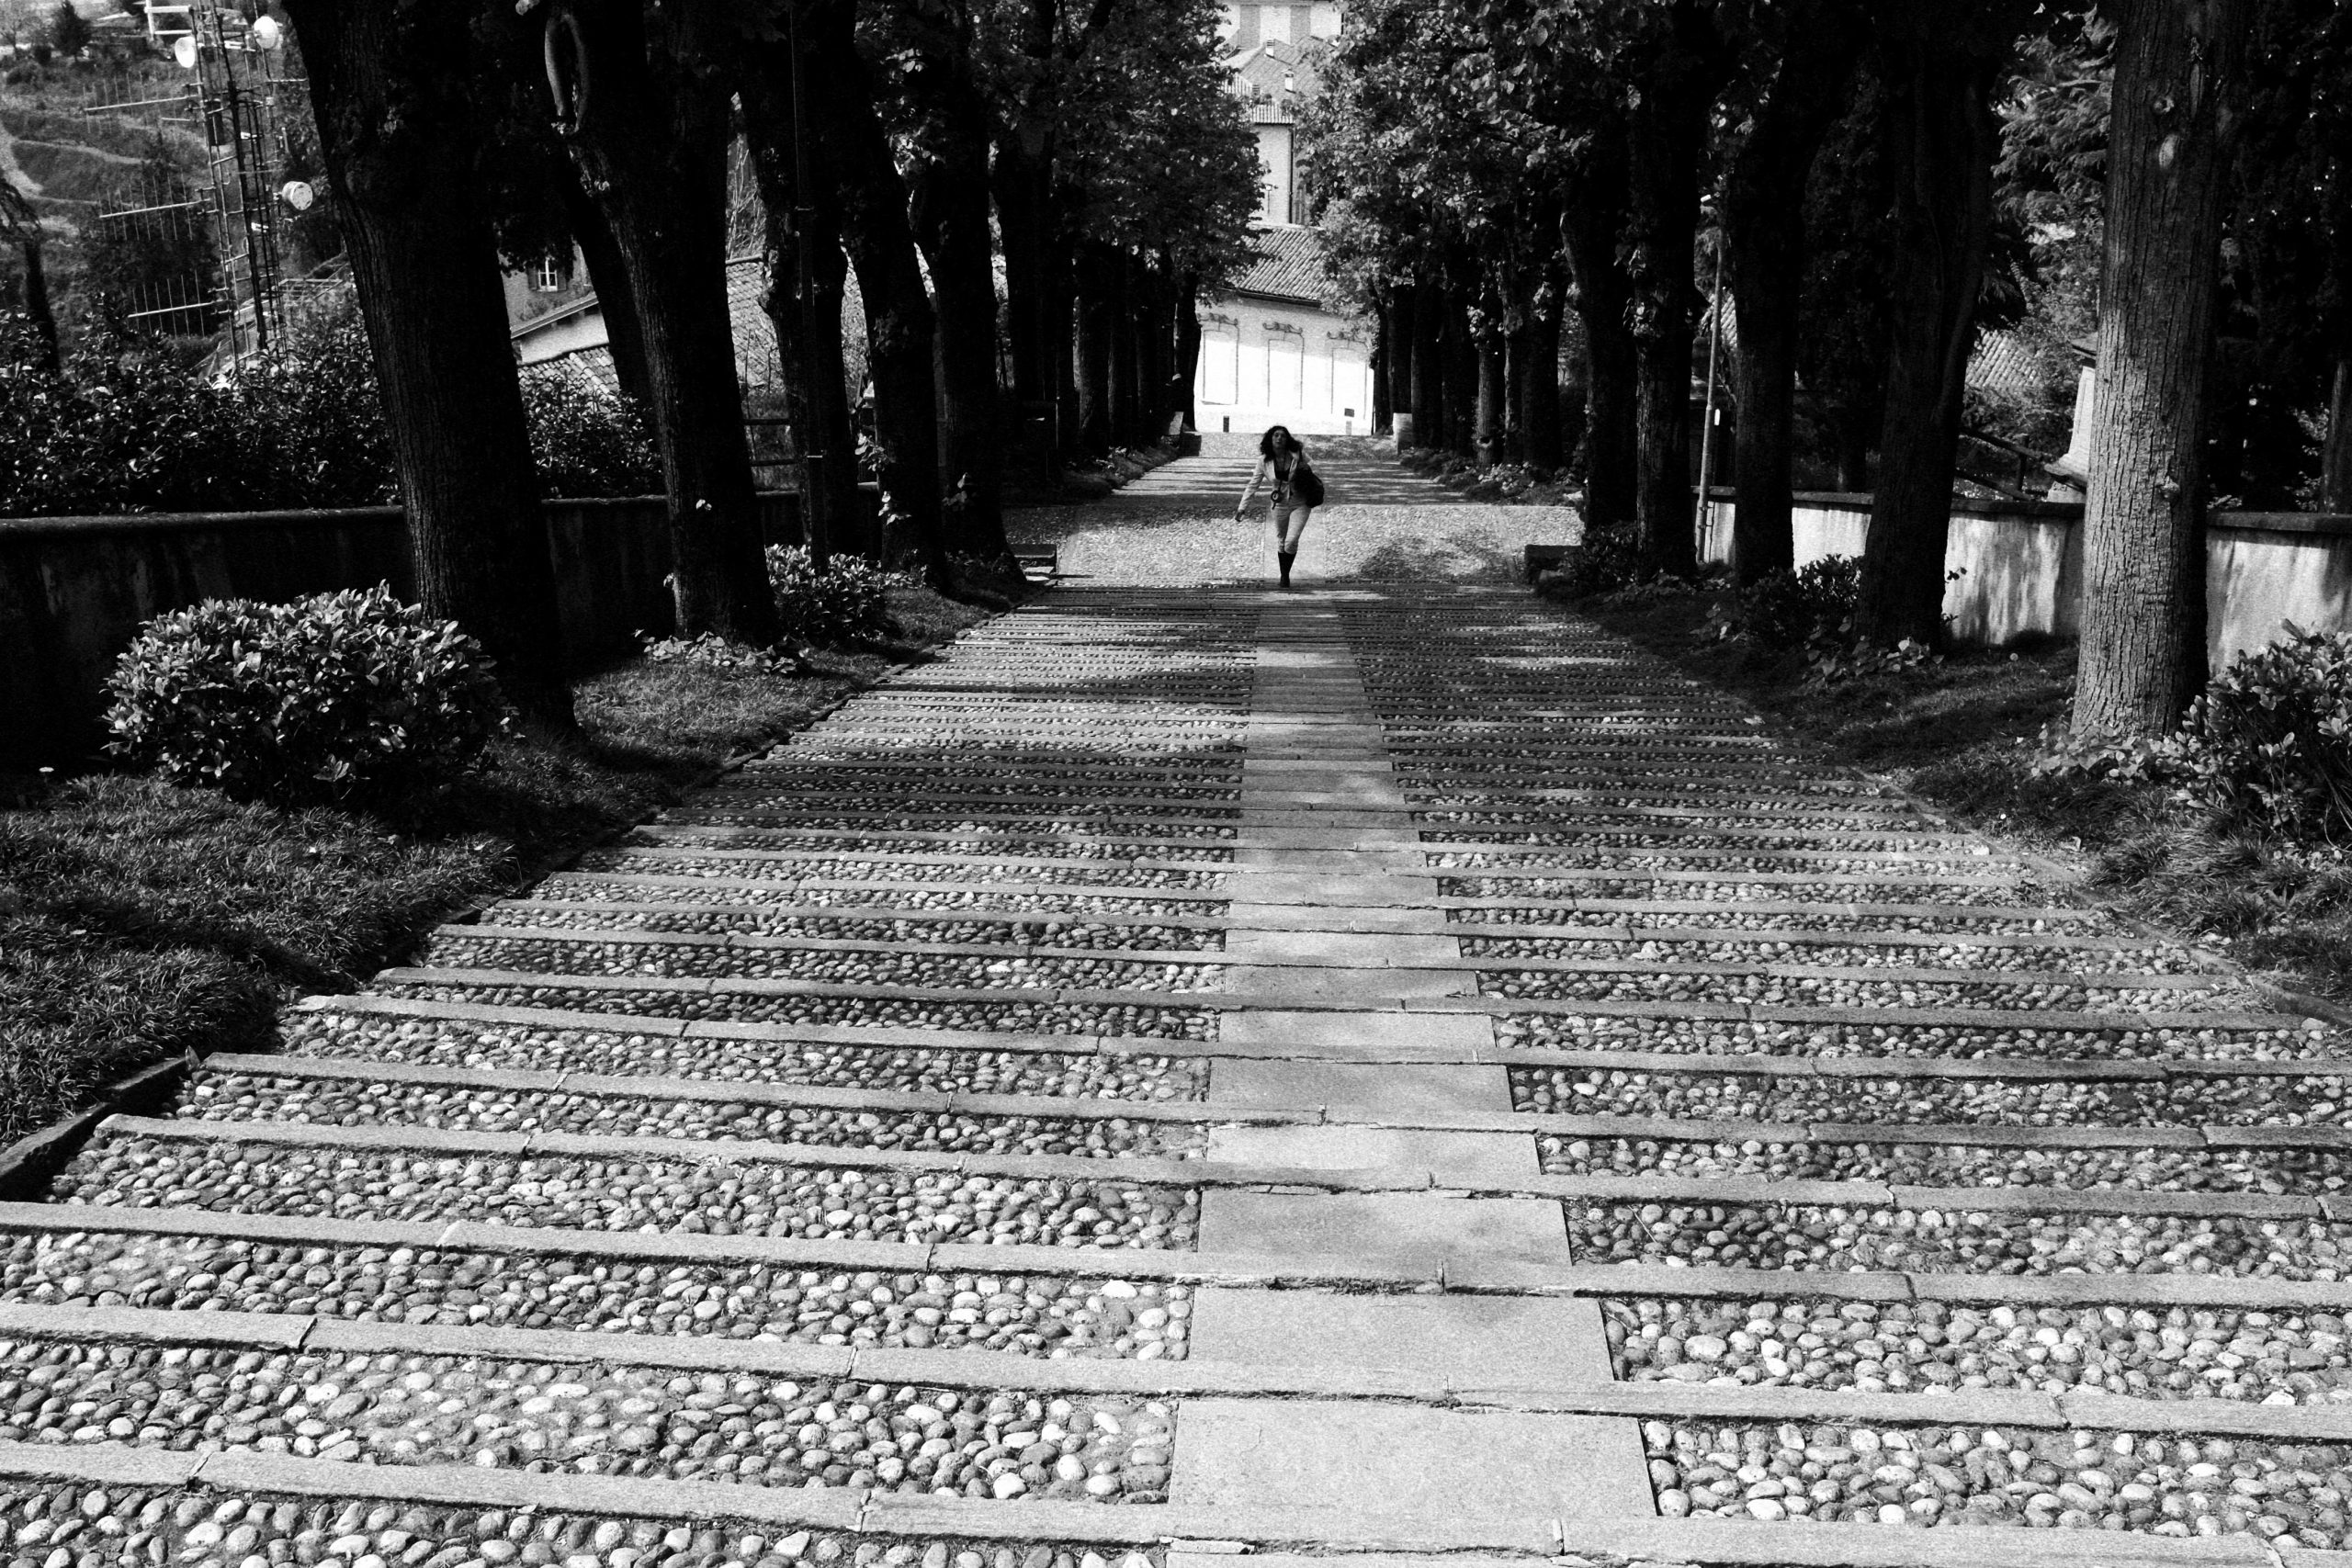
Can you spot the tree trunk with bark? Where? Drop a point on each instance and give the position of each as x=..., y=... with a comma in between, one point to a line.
x=1764, y=223
x=37, y=309
x=1127, y=409
x=1492, y=435
x=899, y=327
x=1188, y=345
x=644, y=115
x=396, y=135
x=2177, y=66
x=1428, y=361
x=1539, y=384
x=808, y=334
x=1097, y=309
x=1384, y=362
x=1666, y=135
x=615, y=298
x=1941, y=68
x=1595, y=219
x=1461, y=360
x=2336, y=451
x=950, y=214
x=1022, y=225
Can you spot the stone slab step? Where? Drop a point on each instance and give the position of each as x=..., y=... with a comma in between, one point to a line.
x=1217, y=1175
x=1479, y=1275
x=1535, y=1388
x=1197, y=1537
x=1357, y=1011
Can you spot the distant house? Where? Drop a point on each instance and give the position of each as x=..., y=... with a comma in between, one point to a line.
x=1282, y=348
x=556, y=324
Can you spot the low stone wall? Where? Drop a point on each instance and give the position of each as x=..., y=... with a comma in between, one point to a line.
x=2022, y=566
x=74, y=589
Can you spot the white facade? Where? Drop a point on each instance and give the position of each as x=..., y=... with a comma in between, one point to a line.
x=1267, y=361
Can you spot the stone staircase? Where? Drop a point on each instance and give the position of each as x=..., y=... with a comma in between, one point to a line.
x=1377, y=1074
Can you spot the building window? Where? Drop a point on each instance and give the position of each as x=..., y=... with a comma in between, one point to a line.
x=550, y=273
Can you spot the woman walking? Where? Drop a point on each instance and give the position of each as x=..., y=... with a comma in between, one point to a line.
x=1297, y=492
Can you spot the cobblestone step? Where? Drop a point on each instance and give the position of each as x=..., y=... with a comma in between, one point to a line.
x=1092, y=1020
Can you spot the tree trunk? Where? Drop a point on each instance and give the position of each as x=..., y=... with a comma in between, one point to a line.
x=1539, y=386
x=2176, y=63
x=1667, y=134
x=1062, y=313
x=950, y=213
x=1462, y=377
x=648, y=128
x=1022, y=225
x=900, y=328
x=1125, y=381
x=1494, y=398
x=1188, y=345
x=1097, y=326
x=1942, y=139
x=2335, y=453
x=1428, y=361
x=1764, y=223
x=37, y=309
x=809, y=334
x=1384, y=363
x=615, y=301
x=396, y=135
x=1594, y=222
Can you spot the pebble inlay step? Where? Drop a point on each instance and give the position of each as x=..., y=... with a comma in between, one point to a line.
x=913, y=1044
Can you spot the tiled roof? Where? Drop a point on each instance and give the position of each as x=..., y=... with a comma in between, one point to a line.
x=1289, y=265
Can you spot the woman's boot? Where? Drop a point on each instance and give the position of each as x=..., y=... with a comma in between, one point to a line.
x=1283, y=557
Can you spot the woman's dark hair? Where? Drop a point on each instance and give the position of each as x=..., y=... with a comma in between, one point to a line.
x=1266, y=442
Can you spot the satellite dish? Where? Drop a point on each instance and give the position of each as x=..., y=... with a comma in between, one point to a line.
x=266, y=34
x=183, y=51
x=298, y=194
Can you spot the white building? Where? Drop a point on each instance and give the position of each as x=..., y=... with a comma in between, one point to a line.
x=1281, y=348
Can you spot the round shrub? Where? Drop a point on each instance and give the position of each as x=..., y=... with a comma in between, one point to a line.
x=2270, y=741
x=321, y=699
x=844, y=601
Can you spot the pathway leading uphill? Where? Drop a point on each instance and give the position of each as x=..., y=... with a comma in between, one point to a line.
x=1376, y=1073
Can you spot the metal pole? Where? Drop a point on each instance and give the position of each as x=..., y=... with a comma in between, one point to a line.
x=815, y=497
x=1707, y=425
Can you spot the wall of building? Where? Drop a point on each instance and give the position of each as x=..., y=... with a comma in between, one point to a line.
x=74, y=590
x=1274, y=362
x=1277, y=174
x=2021, y=566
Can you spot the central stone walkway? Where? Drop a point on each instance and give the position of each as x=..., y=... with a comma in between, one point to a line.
x=1385, y=1072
